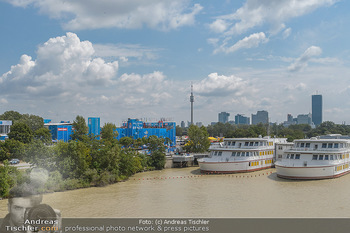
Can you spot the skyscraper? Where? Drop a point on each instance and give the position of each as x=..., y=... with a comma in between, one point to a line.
x=242, y=120
x=260, y=117
x=317, y=109
x=223, y=117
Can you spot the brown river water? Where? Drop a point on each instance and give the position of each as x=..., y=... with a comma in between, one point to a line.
x=184, y=192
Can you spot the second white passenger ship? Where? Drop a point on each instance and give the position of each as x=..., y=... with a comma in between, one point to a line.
x=240, y=155
x=315, y=158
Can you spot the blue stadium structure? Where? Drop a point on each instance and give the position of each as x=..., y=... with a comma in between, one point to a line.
x=135, y=129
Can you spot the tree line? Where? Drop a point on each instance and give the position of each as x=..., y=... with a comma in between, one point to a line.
x=81, y=162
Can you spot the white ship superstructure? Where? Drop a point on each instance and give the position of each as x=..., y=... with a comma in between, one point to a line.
x=240, y=155
x=315, y=158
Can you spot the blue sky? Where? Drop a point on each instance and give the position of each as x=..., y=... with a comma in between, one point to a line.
x=136, y=59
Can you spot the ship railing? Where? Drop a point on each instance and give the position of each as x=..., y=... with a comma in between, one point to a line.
x=318, y=149
x=242, y=147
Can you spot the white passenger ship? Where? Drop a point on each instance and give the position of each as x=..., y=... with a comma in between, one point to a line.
x=240, y=155
x=315, y=158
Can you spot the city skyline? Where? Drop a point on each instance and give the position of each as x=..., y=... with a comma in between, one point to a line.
x=137, y=59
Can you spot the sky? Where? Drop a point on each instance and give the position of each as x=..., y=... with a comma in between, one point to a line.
x=120, y=59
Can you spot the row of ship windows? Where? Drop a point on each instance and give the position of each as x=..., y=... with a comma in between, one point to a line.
x=324, y=145
x=320, y=157
x=249, y=143
x=256, y=163
x=238, y=154
x=339, y=168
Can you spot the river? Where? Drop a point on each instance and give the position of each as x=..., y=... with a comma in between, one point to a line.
x=184, y=192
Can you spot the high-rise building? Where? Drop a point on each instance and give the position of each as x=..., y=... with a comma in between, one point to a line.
x=94, y=125
x=317, y=109
x=183, y=124
x=260, y=117
x=242, y=120
x=223, y=117
x=304, y=119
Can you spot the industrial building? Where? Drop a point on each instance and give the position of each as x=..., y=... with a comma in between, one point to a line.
x=5, y=127
x=135, y=129
x=94, y=126
x=60, y=131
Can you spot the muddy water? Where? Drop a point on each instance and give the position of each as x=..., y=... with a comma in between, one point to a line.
x=186, y=193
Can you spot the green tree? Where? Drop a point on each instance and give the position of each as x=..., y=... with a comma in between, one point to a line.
x=11, y=116
x=157, y=149
x=126, y=141
x=198, y=139
x=109, y=133
x=43, y=134
x=21, y=132
x=40, y=155
x=179, y=131
x=8, y=178
x=80, y=129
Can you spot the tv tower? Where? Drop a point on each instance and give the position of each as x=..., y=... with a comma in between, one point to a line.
x=191, y=100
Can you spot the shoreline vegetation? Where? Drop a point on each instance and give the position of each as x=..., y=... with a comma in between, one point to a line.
x=85, y=161
x=90, y=161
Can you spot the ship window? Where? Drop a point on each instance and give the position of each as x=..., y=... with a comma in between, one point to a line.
x=233, y=154
x=238, y=154
x=256, y=143
x=314, y=157
x=307, y=145
x=279, y=156
x=320, y=157
x=336, y=145
x=297, y=156
x=331, y=157
x=302, y=144
x=326, y=157
x=330, y=145
x=341, y=145
x=220, y=153
x=292, y=156
x=233, y=143
x=260, y=143
x=288, y=156
x=229, y=143
x=298, y=144
x=251, y=143
x=246, y=143
x=324, y=145
x=246, y=153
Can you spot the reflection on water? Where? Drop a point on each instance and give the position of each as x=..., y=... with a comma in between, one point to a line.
x=186, y=193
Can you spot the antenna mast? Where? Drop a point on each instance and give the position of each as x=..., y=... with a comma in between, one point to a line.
x=191, y=100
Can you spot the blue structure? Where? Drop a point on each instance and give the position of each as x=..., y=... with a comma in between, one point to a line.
x=242, y=120
x=60, y=131
x=94, y=126
x=316, y=109
x=47, y=121
x=138, y=129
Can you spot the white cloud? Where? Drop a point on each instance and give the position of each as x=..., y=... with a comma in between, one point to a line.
x=124, y=51
x=62, y=63
x=274, y=12
x=303, y=60
x=251, y=41
x=286, y=33
x=261, y=14
x=220, y=85
x=3, y=101
x=131, y=14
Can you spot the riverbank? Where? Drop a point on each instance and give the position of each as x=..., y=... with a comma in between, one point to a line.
x=185, y=192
